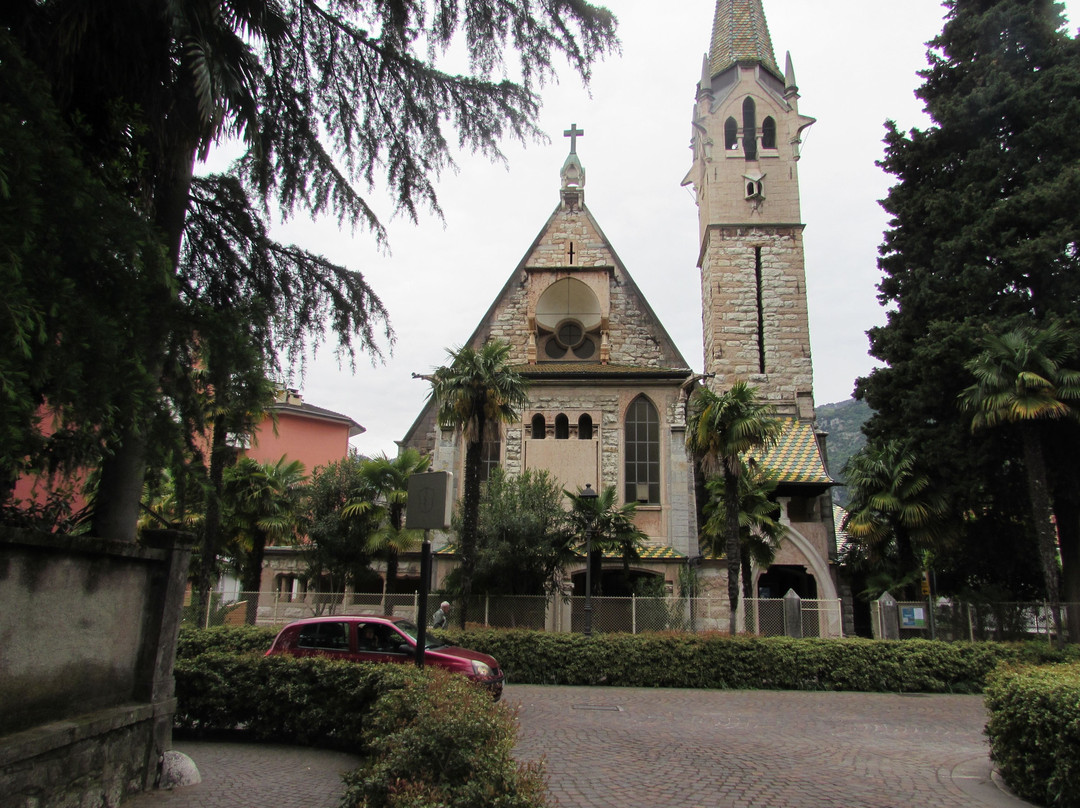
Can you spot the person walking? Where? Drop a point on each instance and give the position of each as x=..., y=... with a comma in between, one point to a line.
x=441, y=618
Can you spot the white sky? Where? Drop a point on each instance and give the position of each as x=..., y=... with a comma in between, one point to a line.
x=855, y=63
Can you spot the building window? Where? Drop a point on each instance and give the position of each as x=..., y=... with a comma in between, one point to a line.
x=731, y=135
x=768, y=133
x=539, y=427
x=489, y=458
x=642, y=453
x=749, y=124
x=584, y=427
x=562, y=427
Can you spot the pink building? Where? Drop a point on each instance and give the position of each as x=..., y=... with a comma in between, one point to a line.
x=304, y=432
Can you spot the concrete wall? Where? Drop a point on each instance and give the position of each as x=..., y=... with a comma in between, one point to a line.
x=87, y=642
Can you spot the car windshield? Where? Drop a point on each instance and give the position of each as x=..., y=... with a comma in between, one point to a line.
x=409, y=628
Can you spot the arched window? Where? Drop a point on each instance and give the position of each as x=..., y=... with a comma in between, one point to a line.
x=768, y=133
x=731, y=134
x=539, y=427
x=584, y=427
x=749, y=129
x=490, y=452
x=642, y=453
x=562, y=427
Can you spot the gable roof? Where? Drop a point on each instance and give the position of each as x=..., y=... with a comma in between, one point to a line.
x=796, y=457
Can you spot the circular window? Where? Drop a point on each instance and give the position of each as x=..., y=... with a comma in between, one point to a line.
x=569, y=333
x=554, y=350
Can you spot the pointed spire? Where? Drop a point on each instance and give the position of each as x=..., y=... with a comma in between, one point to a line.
x=790, y=86
x=705, y=85
x=741, y=34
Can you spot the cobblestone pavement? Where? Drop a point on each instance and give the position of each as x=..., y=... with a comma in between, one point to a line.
x=652, y=748
x=641, y=748
x=253, y=775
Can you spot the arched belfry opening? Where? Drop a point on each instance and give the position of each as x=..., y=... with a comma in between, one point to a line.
x=568, y=323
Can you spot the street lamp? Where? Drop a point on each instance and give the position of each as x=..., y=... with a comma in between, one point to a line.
x=590, y=495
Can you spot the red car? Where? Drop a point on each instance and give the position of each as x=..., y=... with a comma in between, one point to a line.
x=372, y=638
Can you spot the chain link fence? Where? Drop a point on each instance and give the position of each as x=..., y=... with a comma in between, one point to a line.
x=633, y=615
x=958, y=620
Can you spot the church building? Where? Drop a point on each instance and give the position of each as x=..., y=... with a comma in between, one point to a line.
x=608, y=387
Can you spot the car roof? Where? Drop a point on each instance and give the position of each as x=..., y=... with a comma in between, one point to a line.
x=351, y=618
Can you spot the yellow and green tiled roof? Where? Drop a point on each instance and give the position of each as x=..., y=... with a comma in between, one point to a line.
x=740, y=34
x=649, y=553
x=796, y=457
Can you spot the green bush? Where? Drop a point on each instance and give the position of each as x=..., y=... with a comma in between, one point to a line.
x=1034, y=732
x=438, y=742
x=233, y=639
x=774, y=663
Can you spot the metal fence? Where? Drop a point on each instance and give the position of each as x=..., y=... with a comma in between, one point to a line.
x=953, y=620
x=762, y=616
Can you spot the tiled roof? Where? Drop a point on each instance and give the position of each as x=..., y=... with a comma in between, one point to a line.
x=311, y=411
x=648, y=553
x=595, y=369
x=740, y=34
x=796, y=457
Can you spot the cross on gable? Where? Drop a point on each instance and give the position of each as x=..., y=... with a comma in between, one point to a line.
x=573, y=133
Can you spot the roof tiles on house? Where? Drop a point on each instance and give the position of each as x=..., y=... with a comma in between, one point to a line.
x=796, y=457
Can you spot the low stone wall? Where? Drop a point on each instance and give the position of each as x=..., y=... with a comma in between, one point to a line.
x=88, y=633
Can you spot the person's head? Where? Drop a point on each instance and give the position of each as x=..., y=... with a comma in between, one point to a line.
x=445, y=606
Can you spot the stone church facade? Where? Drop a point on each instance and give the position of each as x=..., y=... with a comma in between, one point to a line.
x=608, y=387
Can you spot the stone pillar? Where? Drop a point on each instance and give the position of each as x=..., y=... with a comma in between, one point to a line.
x=887, y=625
x=792, y=615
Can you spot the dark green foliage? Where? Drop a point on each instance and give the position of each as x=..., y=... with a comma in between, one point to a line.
x=230, y=639
x=339, y=545
x=775, y=663
x=985, y=219
x=1034, y=732
x=438, y=741
x=523, y=537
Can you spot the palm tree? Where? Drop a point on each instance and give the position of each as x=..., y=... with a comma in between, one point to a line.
x=388, y=479
x=613, y=530
x=263, y=503
x=720, y=429
x=894, y=510
x=760, y=532
x=1021, y=379
x=476, y=393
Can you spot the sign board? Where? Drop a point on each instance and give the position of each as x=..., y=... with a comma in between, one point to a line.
x=912, y=617
x=431, y=500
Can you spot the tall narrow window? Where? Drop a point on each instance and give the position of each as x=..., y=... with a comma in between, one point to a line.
x=731, y=134
x=584, y=427
x=768, y=133
x=539, y=427
x=562, y=427
x=760, y=310
x=749, y=129
x=642, y=453
x=489, y=458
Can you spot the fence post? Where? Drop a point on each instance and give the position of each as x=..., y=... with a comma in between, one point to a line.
x=890, y=622
x=792, y=615
x=487, y=610
x=416, y=607
x=633, y=613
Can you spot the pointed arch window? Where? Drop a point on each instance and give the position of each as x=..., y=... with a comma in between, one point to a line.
x=731, y=134
x=539, y=427
x=749, y=124
x=584, y=427
x=562, y=427
x=768, y=133
x=642, y=453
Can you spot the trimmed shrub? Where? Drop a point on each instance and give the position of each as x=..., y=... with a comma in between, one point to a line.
x=438, y=742
x=233, y=639
x=773, y=663
x=1034, y=732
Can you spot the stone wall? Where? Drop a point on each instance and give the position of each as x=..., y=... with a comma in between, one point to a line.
x=86, y=689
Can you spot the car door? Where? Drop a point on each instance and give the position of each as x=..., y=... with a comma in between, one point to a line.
x=325, y=639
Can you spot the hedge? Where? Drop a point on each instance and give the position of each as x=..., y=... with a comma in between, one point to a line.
x=774, y=663
x=1034, y=731
x=402, y=720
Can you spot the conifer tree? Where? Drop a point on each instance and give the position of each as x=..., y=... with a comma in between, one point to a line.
x=983, y=235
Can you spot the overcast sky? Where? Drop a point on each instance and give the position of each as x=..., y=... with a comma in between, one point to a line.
x=855, y=63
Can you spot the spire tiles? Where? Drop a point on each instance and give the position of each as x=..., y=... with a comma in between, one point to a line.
x=741, y=34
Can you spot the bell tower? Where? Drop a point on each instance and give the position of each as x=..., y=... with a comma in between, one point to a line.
x=746, y=135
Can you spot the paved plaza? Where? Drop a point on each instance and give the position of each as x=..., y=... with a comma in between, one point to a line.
x=646, y=748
